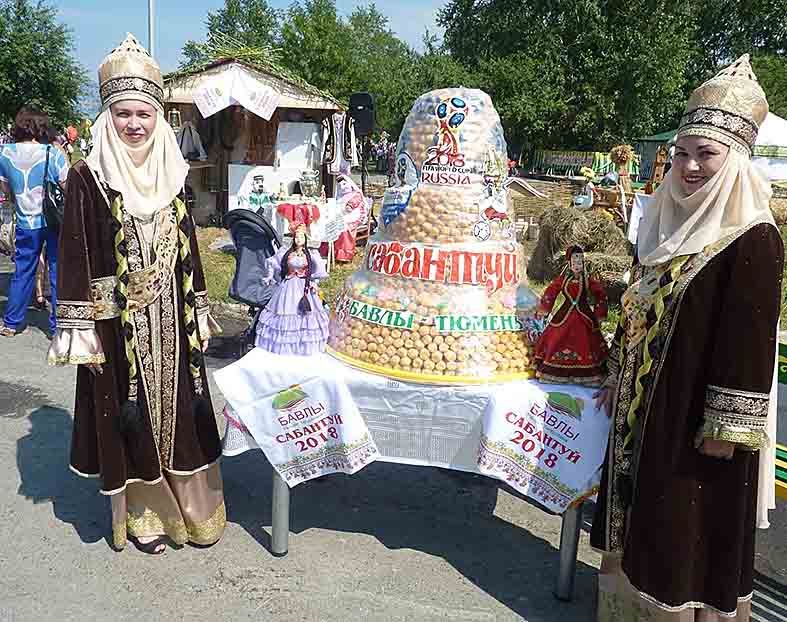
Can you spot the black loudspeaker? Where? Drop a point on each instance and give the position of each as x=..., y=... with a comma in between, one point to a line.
x=361, y=110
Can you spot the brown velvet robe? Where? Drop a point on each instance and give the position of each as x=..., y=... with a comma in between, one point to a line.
x=174, y=438
x=683, y=522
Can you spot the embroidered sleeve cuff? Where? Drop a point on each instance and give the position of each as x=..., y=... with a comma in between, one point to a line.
x=71, y=346
x=750, y=439
x=208, y=327
x=736, y=416
x=77, y=314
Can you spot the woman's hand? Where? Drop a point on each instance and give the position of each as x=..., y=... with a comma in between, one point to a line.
x=95, y=369
x=714, y=448
x=604, y=397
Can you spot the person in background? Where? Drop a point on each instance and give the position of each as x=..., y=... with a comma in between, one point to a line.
x=22, y=165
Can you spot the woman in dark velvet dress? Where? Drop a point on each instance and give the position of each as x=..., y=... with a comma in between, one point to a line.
x=135, y=319
x=691, y=372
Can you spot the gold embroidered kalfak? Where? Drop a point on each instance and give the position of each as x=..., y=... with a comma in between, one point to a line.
x=730, y=108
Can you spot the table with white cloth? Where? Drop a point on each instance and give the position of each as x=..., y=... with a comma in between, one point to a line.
x=476, y=429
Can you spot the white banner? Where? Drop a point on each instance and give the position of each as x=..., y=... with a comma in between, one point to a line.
x=545, y=441
x=308, y=430
x=254, y=95
x=215, y=94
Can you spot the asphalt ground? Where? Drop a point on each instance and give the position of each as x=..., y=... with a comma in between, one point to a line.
x=390, y=543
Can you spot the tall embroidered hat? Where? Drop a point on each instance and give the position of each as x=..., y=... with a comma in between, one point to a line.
x=130, y=72
x=730, y=108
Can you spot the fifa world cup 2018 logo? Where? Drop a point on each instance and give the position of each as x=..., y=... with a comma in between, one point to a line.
x=451, y=114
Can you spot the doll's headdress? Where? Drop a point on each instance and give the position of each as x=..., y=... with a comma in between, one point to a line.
x=130, y=72
x=729, y=108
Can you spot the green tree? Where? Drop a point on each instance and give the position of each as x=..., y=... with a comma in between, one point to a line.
x=36, y=62
x=252, y=22
x=771, y=71
x=316, y=45
x=575, y=73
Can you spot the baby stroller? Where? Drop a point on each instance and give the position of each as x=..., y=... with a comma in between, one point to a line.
x=255, y=241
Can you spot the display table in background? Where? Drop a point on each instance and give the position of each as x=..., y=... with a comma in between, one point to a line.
x=443, y=426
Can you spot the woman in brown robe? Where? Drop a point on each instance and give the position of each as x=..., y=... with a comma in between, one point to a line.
x=691, y=372
x=135, y=319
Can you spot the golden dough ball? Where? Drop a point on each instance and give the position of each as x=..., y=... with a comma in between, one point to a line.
x=374, y=357
x=355, y=332
x=450, y=340
x=462, y=356
x=437, y=356
x=426, y=339
x=432, y=347
x=385, y=332
x=440, y=366
x=396, y=334
x=409, y=344
x=501, y=348
x=371, y=347
x=451, y=366
x=365, y=356
x=398, y=343
x=418, y=363
x=423, y=330
x=449, y=355
x=412, y=353
x=406, y=361
x=444, y=347
x=395, y=359
x=387, y=341
x=428, y=365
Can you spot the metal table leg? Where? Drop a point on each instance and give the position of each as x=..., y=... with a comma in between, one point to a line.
x=280, y=516
x=569, y=545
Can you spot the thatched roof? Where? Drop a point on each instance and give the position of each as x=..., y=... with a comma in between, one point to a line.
x=223, y=50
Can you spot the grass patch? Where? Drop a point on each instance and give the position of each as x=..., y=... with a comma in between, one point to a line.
x=331, y=286
x=219, y=267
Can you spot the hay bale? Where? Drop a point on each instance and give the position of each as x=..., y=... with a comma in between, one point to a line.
x=561, y=227
x=779, y=209
x=558, y=191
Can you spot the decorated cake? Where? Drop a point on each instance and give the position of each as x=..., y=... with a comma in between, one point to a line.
x=440, y=296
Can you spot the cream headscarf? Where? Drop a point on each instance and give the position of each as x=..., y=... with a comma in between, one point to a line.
x=148, y=177
x=735, y=197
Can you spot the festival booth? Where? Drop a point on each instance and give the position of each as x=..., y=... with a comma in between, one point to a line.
x=256, y=137
x=433, y=343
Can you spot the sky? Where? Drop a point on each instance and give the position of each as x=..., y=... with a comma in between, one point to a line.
x=99, y=25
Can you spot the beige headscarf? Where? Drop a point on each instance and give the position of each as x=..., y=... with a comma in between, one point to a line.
x=148, y=177
x=735, y=197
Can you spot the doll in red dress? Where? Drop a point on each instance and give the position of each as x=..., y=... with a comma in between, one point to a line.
x=572, y=348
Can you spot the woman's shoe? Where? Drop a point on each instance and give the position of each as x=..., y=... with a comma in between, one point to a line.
x=154, y=547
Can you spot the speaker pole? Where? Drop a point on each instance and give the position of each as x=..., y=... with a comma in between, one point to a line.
x=364, y=151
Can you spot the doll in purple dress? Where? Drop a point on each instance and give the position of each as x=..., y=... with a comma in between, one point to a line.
x=294, y=320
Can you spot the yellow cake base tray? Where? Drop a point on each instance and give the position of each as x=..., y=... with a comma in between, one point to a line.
x=420, y=378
